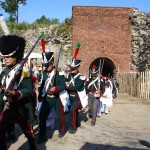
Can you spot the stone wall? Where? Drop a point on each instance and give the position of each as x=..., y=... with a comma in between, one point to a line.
x=50, y=37
x=140, y=52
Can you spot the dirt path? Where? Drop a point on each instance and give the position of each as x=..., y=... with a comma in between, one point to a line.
x=127, y=126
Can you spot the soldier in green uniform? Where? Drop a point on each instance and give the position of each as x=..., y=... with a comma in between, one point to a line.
x=53, y=82
x=75, y=85
x=18, y=102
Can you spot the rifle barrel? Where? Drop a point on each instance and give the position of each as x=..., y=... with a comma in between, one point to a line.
x=30, y=51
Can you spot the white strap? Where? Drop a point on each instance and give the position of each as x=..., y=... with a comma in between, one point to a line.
x=72, y=80
x=47, y=82
x=10, y=76
x=49, y=79
x=93, y=82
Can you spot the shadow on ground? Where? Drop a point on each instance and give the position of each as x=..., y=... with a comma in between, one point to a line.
x=144, y=143
x=91, y=146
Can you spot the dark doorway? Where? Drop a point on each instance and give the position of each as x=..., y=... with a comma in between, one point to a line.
x=106, y=66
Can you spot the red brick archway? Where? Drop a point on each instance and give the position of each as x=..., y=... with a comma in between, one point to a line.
x=107, y=66
x=103, y=32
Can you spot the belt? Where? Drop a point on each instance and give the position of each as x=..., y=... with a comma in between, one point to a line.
x=72, y=95
x=51, y=96
x=92, y=93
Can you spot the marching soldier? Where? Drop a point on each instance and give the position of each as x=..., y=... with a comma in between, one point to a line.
x=94, y=93
x=49, y=92
x=18, y=102
x=75, y=85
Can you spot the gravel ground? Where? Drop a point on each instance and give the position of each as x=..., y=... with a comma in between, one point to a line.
x=126, y=127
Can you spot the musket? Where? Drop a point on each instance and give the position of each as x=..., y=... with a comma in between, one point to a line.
x=102, y=65
x=19, y=68
x=100, y=72
x=56, y=67
x=99, y=69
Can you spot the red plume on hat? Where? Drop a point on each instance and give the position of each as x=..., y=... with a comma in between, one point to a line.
x=77, y=50
x=93, y=66
x=43, y=45
x=43, y=42
x=94, y=69
x=75, y=63
x=103, y=77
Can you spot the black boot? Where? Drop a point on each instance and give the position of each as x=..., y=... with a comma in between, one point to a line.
x=11, y=138
x=41, y=140
x=42, y=136
x=3, y=145
x=32, y=144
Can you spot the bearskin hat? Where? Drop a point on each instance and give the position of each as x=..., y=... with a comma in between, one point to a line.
x=47, y=58
x=12, y=45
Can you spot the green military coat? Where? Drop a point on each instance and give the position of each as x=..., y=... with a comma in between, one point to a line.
x=25, y=101
x=59, y=82
x=76, y=83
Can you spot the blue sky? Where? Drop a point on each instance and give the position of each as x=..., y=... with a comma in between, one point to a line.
x=62, y=9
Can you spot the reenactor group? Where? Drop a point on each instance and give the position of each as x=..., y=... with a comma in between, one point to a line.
x=64, y=91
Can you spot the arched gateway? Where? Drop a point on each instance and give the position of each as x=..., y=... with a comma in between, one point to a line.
x=106, y=66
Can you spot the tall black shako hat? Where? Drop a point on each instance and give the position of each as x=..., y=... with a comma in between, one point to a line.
x=75, y=63
x=12, y=45
x=47, y=58
x=94, y=69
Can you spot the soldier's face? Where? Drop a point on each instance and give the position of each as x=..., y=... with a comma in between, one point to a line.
x=49, y=68
x=10, y=61
x=74, y=71
x=94, y=75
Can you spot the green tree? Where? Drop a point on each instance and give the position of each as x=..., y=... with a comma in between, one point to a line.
x=46, y=21
x=43, y=20
x=55, y=21
x=11, y=7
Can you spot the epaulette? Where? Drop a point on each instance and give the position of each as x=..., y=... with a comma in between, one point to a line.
x=26, y=72
x=82, y=77
x=61, y=73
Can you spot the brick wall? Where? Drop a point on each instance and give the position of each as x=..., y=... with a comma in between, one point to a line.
x=102, y=32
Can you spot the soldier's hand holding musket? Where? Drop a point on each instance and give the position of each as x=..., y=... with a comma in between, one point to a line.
x=12, y=95
x=2, y=89
x=9, y=94
x=51, y=91
x=97, y=94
